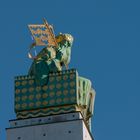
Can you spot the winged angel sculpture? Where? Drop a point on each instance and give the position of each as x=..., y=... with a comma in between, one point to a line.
x=54, y=56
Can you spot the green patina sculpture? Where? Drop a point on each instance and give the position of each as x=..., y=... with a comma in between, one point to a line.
x=50, y=87
x=52, y=59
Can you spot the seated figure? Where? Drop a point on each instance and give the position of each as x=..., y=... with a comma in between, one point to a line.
x=52, y=58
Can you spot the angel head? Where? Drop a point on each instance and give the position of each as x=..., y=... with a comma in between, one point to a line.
x=62, y=38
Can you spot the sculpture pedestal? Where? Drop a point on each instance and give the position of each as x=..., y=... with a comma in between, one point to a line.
x=56, y=127
x=56, y=110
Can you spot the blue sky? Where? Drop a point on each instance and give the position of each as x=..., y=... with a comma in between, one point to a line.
x=106, y=50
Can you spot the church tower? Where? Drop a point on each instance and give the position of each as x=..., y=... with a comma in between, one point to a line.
x=52, y=102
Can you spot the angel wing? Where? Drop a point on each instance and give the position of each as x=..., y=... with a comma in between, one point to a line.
x=43, y=34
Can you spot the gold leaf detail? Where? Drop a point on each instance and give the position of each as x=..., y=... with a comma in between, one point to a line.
x=45, y=103
x=24, y=98
x=52, y=102
x=58, y=93
x=38, y=103
x=31, y=104
x=58, y=78
x=38, y=88
x=24, y=90
x=31, y=82
x=72, y=84
x=24, y=105
x=17, y=99
x=58, y=86
x=65, y=77
x=17, y=84
x=65, y=100
x=45, y=95
x=45, y=88
x=51, y=79
x=72, y=99
x=51, y=94
x=51, y=87
x=59, y=100
x=65, y=85
x=17, y=106
x=24, y=83
x=17, y=91
x=72, y=91
x=65, y=92
x=38, y=96
x=72, y=76
x=31, y=89
x=31, y=97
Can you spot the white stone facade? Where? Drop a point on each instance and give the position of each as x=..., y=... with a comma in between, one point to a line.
x=67, y=129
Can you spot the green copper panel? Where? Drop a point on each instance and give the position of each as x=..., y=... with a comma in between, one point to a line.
x=61, y=89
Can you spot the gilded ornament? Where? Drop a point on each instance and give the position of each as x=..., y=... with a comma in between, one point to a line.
x=45, y=88
x=24, y=105
x=58, y=78
x=65, y=92
x=52, y=101
x=65, y=100
x=38, y=96
x=31, y=97
x=31, y=82
x=31, y=104
x=72, y=99
x=58, y=93
x=45, y=95
x=51, y=94
x=46, y=32
x=24, y=90
x=72, y=84
x=72, y=91
x=65, y=77
x=72, y=76
x=17, y=84
x=31, y=89
x=59, y=100
x=17, y=91
x=45, y=103
x=51, y=79
x=38, y=103
x=24, y=83
x=38, y=88
x=65, y=85
x=24, y=98
x=51, y=87
x=17, y=106
x=17, y=99
x=58, y=86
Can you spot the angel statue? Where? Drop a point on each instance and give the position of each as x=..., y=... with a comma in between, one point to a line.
x=52, y=58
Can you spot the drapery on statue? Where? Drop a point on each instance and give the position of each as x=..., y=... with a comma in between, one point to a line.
x=53, y=58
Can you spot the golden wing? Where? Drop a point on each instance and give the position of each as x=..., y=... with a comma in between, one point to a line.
x=43, y=34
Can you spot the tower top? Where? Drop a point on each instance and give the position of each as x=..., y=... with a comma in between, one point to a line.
x=50, y=87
